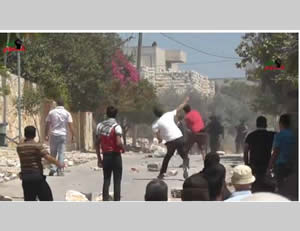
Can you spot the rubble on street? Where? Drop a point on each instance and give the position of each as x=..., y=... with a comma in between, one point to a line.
x=10, y=164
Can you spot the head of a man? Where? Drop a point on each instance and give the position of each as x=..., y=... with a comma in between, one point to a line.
x=211, y=159
x=187, y=108
x=215, y=176
x=156, y=190
x=285, y=121
x=158, y=112
x=29, y=132
x=60, y=102
x=242, y=178
x=195, y=188
x=261, y=122
x=111, y=112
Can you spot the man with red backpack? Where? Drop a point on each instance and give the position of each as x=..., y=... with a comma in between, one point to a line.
x=109, y=134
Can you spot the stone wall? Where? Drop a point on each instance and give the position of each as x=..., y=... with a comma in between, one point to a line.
x=12, y=113
x=82, y=122
x=180, y=80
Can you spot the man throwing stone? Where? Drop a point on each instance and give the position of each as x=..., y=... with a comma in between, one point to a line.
x=58, y=121
x=166, y=129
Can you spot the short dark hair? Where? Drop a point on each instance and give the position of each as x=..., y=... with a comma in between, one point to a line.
x=158, y=112
x=215, y=177
x=111, y=112
x=29, y=132
x=60, y=102
x=187, y=108
x=261, y=122
x=211, y=159
x=285, y=120
x=195, y=188
x=156, y=190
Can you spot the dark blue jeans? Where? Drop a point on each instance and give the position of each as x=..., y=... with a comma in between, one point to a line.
x=112, y=163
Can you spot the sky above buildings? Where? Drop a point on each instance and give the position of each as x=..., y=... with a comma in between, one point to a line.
x=218, y=63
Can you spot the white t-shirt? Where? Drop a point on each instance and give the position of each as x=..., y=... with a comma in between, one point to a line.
x=59, y=119
x=167, y=127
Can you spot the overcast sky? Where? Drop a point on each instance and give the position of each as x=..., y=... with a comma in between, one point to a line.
x=216, y=44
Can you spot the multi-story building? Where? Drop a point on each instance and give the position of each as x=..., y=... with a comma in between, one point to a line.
x=160, y=67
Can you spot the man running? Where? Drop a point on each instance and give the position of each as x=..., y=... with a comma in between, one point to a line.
x=166, y=129
x=195, y=124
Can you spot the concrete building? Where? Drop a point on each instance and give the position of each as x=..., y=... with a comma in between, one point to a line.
x=157, y=58
x=160, y=67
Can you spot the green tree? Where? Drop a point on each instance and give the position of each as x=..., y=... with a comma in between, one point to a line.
x=260, y=49
x=75, y=66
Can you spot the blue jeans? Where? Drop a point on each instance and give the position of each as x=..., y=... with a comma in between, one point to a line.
x=57, y=148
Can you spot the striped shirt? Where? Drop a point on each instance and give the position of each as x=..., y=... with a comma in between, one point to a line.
x=30, y=155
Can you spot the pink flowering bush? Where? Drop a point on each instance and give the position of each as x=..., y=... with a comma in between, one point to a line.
x=123, y=69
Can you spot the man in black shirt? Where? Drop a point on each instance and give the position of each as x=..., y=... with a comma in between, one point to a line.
x=257, y=151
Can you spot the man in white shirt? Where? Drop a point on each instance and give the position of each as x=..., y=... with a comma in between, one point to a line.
x=58, y=121
x=166, y=129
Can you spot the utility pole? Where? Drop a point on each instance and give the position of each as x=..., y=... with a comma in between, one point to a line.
x=4, y=84
x=138, y=66
x=139, y=51
x=19, y=93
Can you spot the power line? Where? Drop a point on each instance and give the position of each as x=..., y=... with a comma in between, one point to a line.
x=196, y=49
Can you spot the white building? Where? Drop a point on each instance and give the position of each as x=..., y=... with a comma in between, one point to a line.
x=160, y=67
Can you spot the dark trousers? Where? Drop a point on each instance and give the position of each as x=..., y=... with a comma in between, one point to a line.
x=112, y=163
x=36, y=188
x=199, y=138
x=262, y=182
x=214, y=143
x=172, y=146
x=282, y=171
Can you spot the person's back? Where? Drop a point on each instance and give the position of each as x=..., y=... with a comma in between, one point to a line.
x=31, y=154
x=168, y=129
x=260, y=146
x=195, y=188
x=194, y=121
x=59, y=118
x=215, y=128
x=285, y=141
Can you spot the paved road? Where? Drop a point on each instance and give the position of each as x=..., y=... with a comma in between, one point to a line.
x=84, y=179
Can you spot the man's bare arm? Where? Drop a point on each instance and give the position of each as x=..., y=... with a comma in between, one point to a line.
x=53, y=161
x=47, y=131
x=181, y=106
x=71, y=129
x=158, y=137
x=119, y=142
x=97, y=147
x=274, y=156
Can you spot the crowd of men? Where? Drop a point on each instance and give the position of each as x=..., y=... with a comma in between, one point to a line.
x=265, y=153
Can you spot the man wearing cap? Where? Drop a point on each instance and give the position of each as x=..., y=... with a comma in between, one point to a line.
x=242, y=180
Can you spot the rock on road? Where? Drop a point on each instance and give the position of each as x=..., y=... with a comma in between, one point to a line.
x=84, y=178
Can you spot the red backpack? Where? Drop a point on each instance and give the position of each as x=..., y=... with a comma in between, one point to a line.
x=109, y=143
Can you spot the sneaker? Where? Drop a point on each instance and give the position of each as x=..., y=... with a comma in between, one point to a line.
x=185, y=173
x=51, y=173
